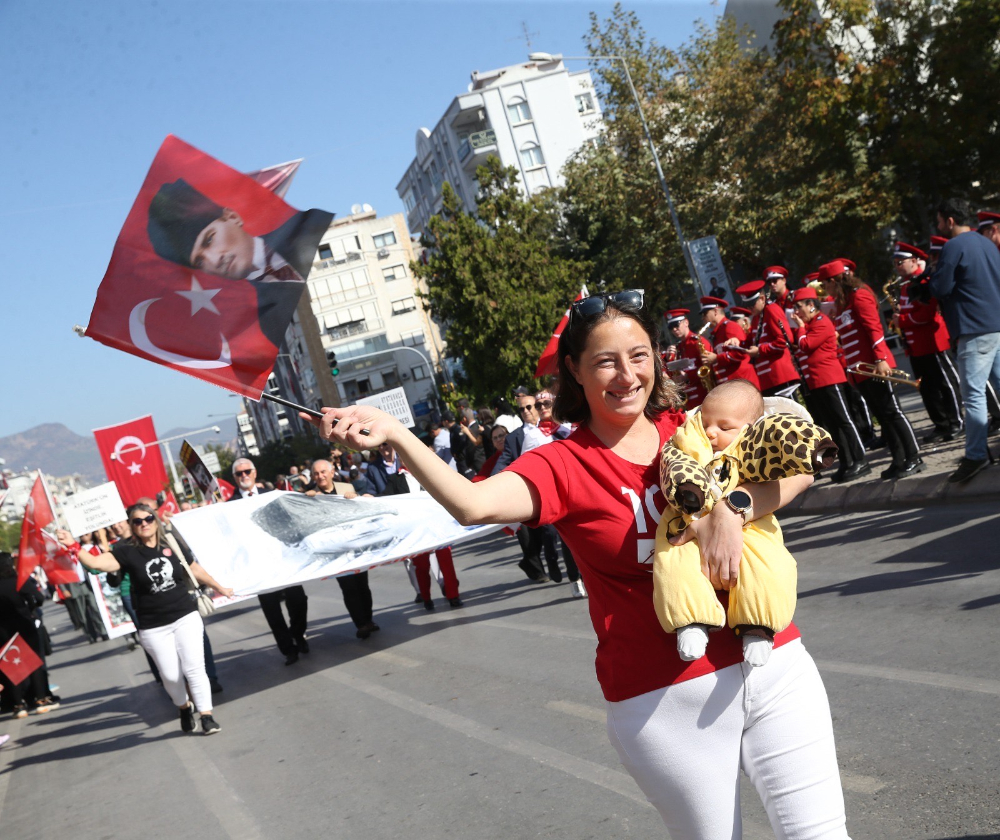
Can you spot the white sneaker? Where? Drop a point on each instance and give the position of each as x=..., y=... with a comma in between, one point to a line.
x=579, y=590
x=692, y=641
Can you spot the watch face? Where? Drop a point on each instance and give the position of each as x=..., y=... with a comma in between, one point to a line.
x=740, y=499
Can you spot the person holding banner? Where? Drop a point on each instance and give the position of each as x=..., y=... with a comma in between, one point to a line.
x=682, y=729
x=170, y=628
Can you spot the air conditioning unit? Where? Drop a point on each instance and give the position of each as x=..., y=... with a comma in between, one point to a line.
x=383, y=253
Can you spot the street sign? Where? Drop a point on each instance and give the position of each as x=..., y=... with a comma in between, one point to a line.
x=709, y=267
x=392, y=402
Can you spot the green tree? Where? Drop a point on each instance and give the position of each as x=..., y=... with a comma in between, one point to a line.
x=277, y=456
x=10, y=536
x=499, y=280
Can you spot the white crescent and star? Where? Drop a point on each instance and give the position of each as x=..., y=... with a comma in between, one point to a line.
x=130, y=442
x=16, y=661
x=200, y=299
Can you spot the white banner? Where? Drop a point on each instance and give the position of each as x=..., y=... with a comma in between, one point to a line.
x=89, y=510
x=392, y=402
x=109, y=603
x=277, y=539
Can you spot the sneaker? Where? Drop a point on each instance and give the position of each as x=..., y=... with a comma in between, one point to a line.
x=20, y=711
x=46, y=704
x=4, y=739
x=966, y=469
x=208, y=725
x=187, y=718
x=579, y=590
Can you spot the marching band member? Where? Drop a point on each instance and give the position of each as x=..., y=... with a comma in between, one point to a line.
x=988, y=226
x=861, y=335
x=691, y=347
x=776, y=279
x=816, y=348
x=728, y=358
x=927, y=343
x=742, y=317
x=768, y=342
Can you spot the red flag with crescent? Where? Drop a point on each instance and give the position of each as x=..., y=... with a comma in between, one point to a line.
x=207, y=270
x=18, y=660
x=547, y=362
x=132, y=458
x=40, y=548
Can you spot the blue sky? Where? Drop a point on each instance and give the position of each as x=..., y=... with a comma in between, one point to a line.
x=92, y=88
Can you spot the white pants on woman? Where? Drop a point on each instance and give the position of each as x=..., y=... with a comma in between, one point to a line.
x=685, y=745
x=178, y=650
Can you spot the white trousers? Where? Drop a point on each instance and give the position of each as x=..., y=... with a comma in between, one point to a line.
x=685, y=745
x=178, y=650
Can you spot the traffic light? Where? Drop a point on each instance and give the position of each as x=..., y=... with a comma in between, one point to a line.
x=334, y=367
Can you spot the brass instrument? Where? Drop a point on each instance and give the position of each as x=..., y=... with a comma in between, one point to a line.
x=896, y=375
x=891, y=291
x=705, y=373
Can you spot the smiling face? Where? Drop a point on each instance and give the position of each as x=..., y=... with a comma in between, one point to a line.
x=223, y=247
x=245, y=474
x=322, y=473
x=616, y=370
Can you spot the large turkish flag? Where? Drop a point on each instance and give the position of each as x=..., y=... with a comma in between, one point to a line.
x=219, y=318
x=137, y=468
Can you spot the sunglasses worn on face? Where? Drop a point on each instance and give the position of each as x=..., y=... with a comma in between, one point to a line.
x=143, y=520
x=243, y=472
x=525, y=407
x=544, y=403
x=595, y=305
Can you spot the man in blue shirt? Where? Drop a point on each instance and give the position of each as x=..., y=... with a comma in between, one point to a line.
x=966, y=282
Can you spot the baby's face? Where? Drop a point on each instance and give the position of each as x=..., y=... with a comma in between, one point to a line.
x=723, y=423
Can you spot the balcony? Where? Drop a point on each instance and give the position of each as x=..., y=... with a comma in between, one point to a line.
x=474, y=149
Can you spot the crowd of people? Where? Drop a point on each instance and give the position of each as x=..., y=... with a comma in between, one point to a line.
x=825, y=344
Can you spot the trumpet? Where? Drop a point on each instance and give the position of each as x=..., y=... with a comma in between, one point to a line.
x=896, y=375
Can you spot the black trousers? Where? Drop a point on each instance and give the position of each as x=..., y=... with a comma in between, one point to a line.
x=860, y=414
x=531, y=550
x=544, y=540
x=939, y=390
x=829, y=408
x=357, y=597
x=285, y=633
x=898, y=432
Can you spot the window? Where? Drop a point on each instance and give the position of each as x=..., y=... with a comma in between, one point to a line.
x=383, y=240
x=531, y=155
x=325, y=252
x=410, y=339
x=364, y=386
x=419, y=372
x=519, y=111
x=584, y=103
x=394, y=272
x=409, y=202
x=403, y=305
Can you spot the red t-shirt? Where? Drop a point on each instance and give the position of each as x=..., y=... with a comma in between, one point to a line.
x=607, y=510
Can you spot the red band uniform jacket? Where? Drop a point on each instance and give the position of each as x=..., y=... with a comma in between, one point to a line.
x=731, y=364
x=860, y=330
x=922, y=323
x=773, y=364
x=817, y=352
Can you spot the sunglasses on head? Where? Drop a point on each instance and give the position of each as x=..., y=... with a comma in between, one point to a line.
x=143, y=520
x=242, y=472
x=595, y=305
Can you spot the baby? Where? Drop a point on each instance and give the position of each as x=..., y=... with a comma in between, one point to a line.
x=729, y=441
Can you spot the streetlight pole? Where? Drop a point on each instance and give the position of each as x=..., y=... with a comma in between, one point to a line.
x=170, y=456
x=543, y=56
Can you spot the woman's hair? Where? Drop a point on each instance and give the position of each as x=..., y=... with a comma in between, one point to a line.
x=571, y=403
x=161, y=536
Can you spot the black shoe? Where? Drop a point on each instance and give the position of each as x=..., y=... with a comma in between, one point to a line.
x=543, y=579
x=892, y=472
x=912, y=467
x=429, y=605
x=856, y=470
x=292, y=658
x=838, y=476
x=365, y=630
x=208, y=725
x=187, y=719
x=966, y=469
x=455, y=602
x=939, y=436
x=216, y=686
x=419, y=599
x=302, y=644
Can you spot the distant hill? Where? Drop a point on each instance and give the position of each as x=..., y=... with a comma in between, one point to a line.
x=58, y=451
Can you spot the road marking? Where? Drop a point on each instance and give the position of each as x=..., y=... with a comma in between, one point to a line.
x=580, y=768
x=577, y=710
x=395, y=659
x=929, y=678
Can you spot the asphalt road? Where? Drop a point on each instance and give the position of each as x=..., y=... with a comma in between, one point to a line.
x=487, y=721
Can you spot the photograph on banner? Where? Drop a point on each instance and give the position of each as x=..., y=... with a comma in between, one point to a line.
x=276, y=539
x=709, y=267
x=200, y=473
x=206, y=272
x=392, y=402
x=88, y=510
x=109, y=604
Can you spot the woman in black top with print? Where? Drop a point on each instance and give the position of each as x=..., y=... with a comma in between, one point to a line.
x=171, y=628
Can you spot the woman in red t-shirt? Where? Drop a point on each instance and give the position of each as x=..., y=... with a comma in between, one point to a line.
x=682, y=729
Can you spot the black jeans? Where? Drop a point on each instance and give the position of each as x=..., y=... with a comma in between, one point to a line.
x=286, y=633
x=357, y=598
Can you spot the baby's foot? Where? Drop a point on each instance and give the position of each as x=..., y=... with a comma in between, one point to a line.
x=692, y=641
x=756, y=649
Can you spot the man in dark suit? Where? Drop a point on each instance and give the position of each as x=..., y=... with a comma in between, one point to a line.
x=290, y=635
x=188, y=228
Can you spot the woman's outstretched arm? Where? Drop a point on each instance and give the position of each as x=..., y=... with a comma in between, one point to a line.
x=503, y=498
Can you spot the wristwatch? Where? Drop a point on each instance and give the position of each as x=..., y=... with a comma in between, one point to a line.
x=739, y=502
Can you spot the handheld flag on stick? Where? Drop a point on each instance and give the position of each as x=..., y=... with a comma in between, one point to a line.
x=18, y=660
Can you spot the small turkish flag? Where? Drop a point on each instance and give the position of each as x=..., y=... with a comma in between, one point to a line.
x=18, y=661
x=169, y=505
x=226, y=489
x=547, y=362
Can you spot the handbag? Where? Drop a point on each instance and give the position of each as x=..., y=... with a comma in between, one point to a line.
x=203, y=601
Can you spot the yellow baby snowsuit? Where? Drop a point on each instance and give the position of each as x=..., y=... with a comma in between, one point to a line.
x=693, y=479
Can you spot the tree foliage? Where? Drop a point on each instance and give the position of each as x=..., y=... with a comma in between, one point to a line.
x=498, y=280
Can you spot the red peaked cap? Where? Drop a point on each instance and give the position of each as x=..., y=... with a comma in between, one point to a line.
x=986, y=218
x=750, y=291
x=937, y=243
x=805, y=293
x=773, y=271
x=810, y=277
x=709, y=302
x=676, y=315
x=739, y=310
x=831, y=269
x=904, y=251
x=849, y=263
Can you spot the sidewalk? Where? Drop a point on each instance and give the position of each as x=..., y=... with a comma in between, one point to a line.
x=926, y=488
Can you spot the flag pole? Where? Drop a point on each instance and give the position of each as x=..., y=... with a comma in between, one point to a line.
x=310, y=411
